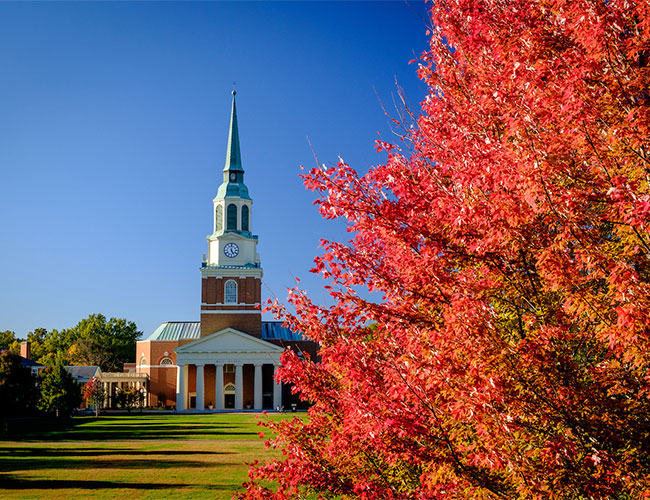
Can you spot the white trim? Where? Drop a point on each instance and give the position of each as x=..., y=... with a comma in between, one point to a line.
x=227, y=311
x=237, y=348
x=228, y=291
x=229, y=304
x=158, y=366
x=247, y=342
x=227, y=272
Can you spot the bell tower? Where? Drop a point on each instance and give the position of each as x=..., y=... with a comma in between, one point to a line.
x=231, y=274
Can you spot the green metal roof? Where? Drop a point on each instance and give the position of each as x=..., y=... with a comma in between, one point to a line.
x=273, y=330
x=181, y=330
x=233, y=154
x=176, y=330
x=233, y=188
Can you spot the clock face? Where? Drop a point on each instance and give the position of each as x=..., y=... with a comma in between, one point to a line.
x=231, y=250
x=233, y=176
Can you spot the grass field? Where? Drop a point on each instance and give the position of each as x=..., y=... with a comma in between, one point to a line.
x=132, y=457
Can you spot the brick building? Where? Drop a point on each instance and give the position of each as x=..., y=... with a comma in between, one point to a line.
x=227, y=359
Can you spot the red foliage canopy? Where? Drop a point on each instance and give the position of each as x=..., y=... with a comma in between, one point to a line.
x=509, y=354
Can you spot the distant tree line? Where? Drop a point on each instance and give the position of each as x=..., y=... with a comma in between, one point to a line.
x=92, y=341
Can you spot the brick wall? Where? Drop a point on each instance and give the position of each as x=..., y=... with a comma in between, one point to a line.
x=247, y=323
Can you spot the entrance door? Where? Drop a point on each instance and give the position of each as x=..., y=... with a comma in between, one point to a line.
x=229, y=396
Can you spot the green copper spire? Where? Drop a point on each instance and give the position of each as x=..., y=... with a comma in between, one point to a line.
x=233, y=155
x=233, y=174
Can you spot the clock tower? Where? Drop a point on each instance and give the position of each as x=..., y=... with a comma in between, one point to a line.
x=231, y=274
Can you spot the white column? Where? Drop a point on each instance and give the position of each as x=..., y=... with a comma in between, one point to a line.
x=200, y=389
x=180, y=387
x=277, y=389
x=218, y=388
x=239, y=387
x=258, y=387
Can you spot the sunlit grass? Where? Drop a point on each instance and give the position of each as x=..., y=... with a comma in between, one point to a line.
x=135, y=457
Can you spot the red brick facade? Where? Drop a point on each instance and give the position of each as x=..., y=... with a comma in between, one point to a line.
x=248, y=323
x=162, y=378
x=249, y=296
x=249, y=290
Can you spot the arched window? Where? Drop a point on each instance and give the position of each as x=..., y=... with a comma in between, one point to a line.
x=229, y=388
x=143, y=361
x=218, y=225
x=166, y=361
x=230, y=292
x=231, y=223
x=244, y=218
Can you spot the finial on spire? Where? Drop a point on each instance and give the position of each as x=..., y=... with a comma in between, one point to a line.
x=234, y=92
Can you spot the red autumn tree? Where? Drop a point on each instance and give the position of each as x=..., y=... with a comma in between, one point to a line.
x=508, y=238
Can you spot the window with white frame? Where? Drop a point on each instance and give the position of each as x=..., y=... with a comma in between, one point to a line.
x=230, y=292
x=229, y=368
x=143, y=361
x=166, y=361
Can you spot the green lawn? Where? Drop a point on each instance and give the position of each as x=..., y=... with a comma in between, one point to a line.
x=134, y=457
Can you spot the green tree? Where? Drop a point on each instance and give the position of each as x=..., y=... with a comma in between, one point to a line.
x=37, y=339
x=107, y=344
x=55, y=346
x=92, y=341
x=60, y=393
x=7, y=338
x=129, y=398
x=18, y=391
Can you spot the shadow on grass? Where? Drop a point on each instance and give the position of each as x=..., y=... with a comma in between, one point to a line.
x=98, y=452
x=8, y=465
x=126, y=428
x=13, y=483
x=128, y=433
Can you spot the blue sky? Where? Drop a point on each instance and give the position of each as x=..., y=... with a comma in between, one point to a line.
x=113, y=128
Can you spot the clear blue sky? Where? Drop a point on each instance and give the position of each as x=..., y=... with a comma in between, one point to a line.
x=113, y=128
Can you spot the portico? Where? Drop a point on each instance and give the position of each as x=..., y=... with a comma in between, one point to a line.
x=228, y=369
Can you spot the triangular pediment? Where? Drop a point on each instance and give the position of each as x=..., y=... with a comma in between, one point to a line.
x=229, y=340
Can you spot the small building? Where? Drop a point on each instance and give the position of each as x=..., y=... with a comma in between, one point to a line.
x=26, y=360
x=114, y=382
x=83, y=374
